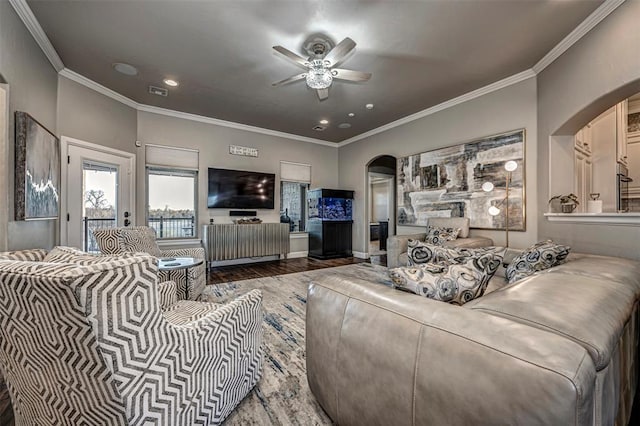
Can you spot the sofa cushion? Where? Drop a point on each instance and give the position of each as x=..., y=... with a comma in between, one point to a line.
x=438, y=235
x=588, y=310
x=538, y=257
x=456, y=283
x=62, y=254
x=471, y=242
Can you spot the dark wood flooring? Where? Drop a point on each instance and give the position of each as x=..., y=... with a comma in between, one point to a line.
x=224, y=274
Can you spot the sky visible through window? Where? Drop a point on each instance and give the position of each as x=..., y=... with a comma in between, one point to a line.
x=176, y=192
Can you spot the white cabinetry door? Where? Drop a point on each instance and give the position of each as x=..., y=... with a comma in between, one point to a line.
x=583, y=178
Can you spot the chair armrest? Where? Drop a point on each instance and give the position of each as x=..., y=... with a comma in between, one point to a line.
x=168, y=294
x=195, y=252
x=397, y=244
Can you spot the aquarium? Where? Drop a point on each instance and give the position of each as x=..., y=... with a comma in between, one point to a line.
x=331, y=208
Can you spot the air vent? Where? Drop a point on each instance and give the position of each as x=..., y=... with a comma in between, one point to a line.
x=158, y=91
x=319, y=128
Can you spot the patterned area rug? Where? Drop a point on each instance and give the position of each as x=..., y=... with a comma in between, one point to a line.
x=282, y=397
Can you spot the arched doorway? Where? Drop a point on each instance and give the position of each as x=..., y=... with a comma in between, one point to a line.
x=381, y=204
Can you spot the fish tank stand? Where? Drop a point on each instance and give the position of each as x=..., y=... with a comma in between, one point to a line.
x=330, y=223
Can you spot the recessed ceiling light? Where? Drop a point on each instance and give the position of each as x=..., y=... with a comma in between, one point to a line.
x=324, y=121
x=369, y=106
x=344, y=125
x=170, y=82
x=125, y=69
x=352, y=114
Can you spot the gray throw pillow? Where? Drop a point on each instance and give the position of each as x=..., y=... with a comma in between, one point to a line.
x=419, y=252
x=538, y=257
x=439, y=235
x=458, y=283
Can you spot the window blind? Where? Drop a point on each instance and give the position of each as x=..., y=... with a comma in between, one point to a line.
x=295, y=172
x=167, y=156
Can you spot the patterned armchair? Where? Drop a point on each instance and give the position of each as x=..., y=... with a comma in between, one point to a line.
x=89, y=344
x=143, y=239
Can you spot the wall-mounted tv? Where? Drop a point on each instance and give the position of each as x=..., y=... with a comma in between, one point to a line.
x=238, y=189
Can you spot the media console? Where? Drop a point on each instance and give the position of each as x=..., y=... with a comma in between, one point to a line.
x=230, y=241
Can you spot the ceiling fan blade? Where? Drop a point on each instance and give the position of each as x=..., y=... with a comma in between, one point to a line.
x=291, y=79
x=323, y=94
x=339, y=53
x=350, y=75
x=295, y=58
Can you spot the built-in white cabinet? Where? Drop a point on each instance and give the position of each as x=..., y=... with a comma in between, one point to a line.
x=582, y=168
x=621, y=132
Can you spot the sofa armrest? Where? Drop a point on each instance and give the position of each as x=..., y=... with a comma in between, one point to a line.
x=195, y=252
x=396, y=245
x=375, y=355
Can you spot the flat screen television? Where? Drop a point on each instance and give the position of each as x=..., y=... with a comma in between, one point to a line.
x=239, y=189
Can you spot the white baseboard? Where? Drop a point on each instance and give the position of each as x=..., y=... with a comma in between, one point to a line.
x=295, y=254
x=360, y=255
x=243, y=261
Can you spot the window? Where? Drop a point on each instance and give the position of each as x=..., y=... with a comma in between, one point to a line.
x=293, y=204
x=172, y=202
x=294, y=183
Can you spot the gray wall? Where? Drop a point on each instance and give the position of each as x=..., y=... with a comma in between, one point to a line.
x=33, y=86
x=594, y=74
x=92, y=117
x=513, y=107
x=213, y=142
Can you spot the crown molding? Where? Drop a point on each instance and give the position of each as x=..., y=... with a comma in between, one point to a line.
x=501, y=84
x=580, y=31
x=28, y=18
x=231, y=124
x=79, y=78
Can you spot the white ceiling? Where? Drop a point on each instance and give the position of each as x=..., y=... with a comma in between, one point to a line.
x=421, y=53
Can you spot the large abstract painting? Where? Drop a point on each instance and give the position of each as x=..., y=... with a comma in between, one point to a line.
x=447, y=182
x=37, y=170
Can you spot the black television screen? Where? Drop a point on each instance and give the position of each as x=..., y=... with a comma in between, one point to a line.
x=238, y=189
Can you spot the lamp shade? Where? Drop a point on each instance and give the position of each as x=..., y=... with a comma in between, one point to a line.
x=487, y=187
x=494, y=211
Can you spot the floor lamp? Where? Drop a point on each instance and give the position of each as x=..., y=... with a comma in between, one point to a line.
x=509, y=166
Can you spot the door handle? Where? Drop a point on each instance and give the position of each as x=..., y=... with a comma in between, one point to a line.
x=126, y=214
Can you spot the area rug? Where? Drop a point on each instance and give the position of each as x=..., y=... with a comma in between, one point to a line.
x=282, y=396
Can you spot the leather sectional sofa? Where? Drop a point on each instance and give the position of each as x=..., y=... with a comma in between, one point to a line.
x=557, y=348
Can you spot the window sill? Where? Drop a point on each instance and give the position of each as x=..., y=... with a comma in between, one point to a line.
x=598, y=218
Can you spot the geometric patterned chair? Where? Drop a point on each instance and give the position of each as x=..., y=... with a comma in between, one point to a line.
x=89, y=344
x=135, y=239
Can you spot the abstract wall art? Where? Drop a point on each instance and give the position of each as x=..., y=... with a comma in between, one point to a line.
x=447, y=182
x=37, y=179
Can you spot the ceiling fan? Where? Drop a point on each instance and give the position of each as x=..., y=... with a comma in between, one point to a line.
x=320, y=68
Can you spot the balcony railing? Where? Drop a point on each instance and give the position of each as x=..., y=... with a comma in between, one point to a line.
x=165, y=227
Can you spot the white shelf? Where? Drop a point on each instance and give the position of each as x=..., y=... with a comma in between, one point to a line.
x=599, y=218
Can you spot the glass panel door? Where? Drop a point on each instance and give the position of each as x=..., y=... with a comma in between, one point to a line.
x=100, y=189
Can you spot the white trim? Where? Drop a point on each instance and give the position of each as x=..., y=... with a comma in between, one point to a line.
x=28, y=18
x=501, y=84
x=4, y=165
x=296, y=254
x=80, y=79
x=580, y=31
x=597, y=218
x=231, y=124
x=360, y=255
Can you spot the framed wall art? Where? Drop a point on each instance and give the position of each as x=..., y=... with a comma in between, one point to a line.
x=448, y=182
x=37, y=167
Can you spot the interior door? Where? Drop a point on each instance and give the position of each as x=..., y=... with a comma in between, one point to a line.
x=99, y=192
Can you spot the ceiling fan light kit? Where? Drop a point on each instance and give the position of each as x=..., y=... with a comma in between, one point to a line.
x=320, y=66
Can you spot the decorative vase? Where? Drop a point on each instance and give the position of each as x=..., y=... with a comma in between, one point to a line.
x=568, y=207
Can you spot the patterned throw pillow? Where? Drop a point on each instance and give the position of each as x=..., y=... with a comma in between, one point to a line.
x=419, y=252
x=538, y=257
x=457, y=284
x=438, y=235
x=30, y=255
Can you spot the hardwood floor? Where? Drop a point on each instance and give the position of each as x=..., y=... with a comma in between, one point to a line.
x=223, y=274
